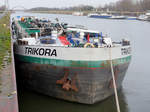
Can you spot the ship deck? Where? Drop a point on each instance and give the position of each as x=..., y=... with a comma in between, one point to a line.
x=31, y=31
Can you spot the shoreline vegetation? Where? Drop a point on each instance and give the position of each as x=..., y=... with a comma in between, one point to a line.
x=5, y=40
x=120, y=7
x=126, y=7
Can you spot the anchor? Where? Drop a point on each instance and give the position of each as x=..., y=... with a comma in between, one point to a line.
x=67, y=82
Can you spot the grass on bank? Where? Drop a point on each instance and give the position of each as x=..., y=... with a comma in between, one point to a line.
x=5, y=40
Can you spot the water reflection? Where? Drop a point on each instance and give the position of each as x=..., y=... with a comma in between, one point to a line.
x=33, y=102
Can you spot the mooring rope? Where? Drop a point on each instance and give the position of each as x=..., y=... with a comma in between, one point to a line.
x=114, y=82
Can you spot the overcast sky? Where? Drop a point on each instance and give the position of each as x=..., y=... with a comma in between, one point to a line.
x=55, y=3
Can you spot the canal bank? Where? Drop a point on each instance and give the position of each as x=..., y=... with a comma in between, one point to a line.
x=8, y=96
x=5, y=41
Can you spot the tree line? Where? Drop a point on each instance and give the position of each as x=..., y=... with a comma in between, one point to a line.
x=121, y=5
x=128, y=5
x=2, y=8
x=74, y=8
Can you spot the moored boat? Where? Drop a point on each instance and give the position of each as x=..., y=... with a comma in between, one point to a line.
x=78, y=13
x=142, y=17
x=102, y=15
x=117, y=17
x=69, y=63
x=148, y=16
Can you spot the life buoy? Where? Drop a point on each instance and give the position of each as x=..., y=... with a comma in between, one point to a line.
x=22, y=19
x=89, y=44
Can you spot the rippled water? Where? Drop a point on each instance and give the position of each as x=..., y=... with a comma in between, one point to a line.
x=135, y=93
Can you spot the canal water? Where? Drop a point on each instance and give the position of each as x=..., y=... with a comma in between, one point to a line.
x=135, y=93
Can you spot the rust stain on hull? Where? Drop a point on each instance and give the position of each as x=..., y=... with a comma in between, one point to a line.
x=68, y=83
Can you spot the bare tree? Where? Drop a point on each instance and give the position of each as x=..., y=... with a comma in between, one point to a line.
x=2, y=8
x=129, y=5
x=145, y=5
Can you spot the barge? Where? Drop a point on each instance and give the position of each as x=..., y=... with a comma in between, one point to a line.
x=67, y=62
